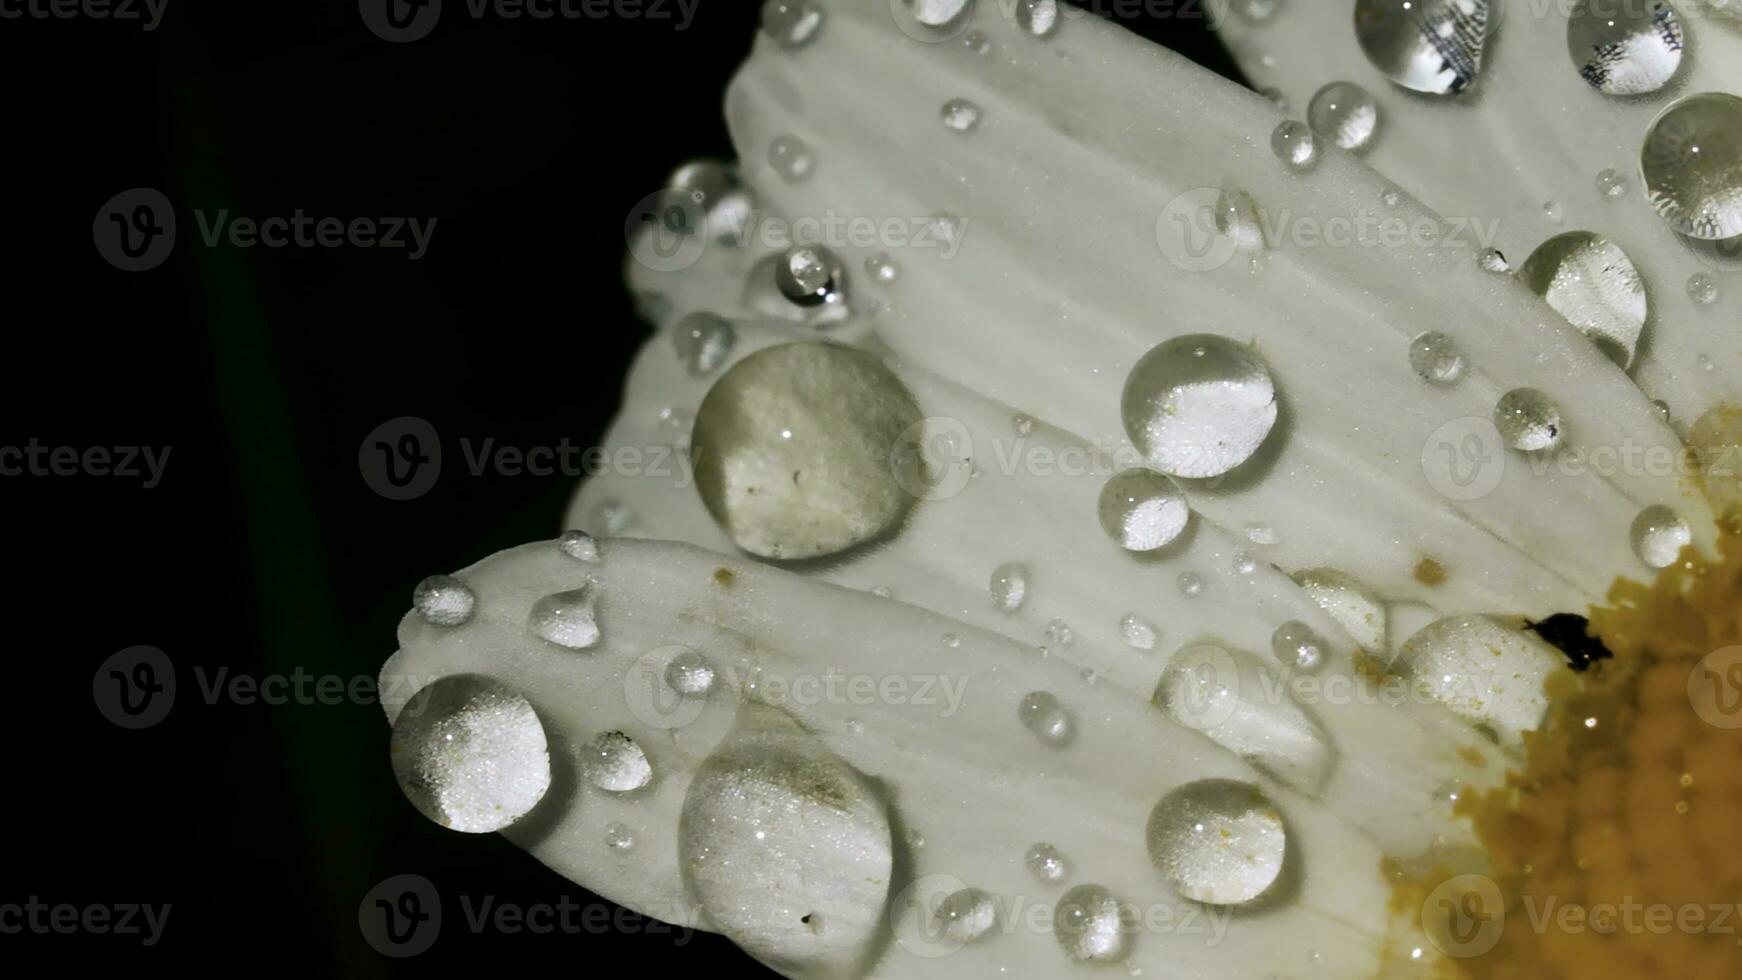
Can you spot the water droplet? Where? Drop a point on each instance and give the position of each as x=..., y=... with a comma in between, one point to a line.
x=567, y=619
x=1238, y=220
x=1595, y=286
x=791, y=158
x=1198, y=406
x=794, y=445
x=1553, y=212
x=977, y=42
x=1660, y=408
x=1356, y=609
x=1484, y=669
x=1528, y=420
x=678, y=422
x=881, y=268
x=960, y=115
x=614, y=763
x=619, y=838
x=1059, y=633
x=1262, y=534
x=443, y=600
x=1276, y=97
x=1295, y=144
x=952, y=641
x=703, y=342
x=1436, y=359
x=1493, y=260
x=1389, y=197
x=711, y=190
x=1046, y=863
x=1009, y=586
x=1049, y=720
x=1703, y=289
x=1138, y=633
x=937, y=13
x=1219, y=841
x=1610, y=183
x=1190, y=585
x=1692, y=163
x=470, y=754
x=690, y=674
x=1142, y=510
x=810, y=275
x=915, y=839
x=1432, y=46
x=579, y=545
x=1254, y=11
x=1297, y=646
x=1090, y=925
x=1244, y=564
x=1659, y=535
x=1626, y=48
x=1345, y=114
x=1236, y=700
x=966, y=916
x=1023, y=425
x=792, y=23
x=787, y=849
x=1038, y=17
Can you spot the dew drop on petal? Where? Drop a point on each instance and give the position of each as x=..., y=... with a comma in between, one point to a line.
x=1039, y=18
x=619, y=837
x=712, y=190
x=791, y=158
x=977, y=42
x=703, y=342
x=792, y=23
x=1049, y=720
x=1625, y=48
x=1703, y=289
x=966, y=916
x=1091, y=926
x=1692, y=166
x=1659, y=535
x=614, y=763
x=1142, y=510
x=1493, y=260
x=1436, y=358
x=1345, y=114
x=794, y=450
x=1254, y=11
x=1191, y=585
x=567, y=619
x=1610, y=183
x=690, y=674
x=1046, y=863
x=810, y=275
x=1221, y=693
x=1198, y=406
x=1483, y=668
x=1295, y=145
x=1355, y=608
x=1009, y=586
x=937, y=13
x=443, y=600
x=1595, y=286
x=1297, y=645
x=1432, y=46
x=881, y=268
x=1060, y=634
x=1218, y=841
x=1528, y=420
x=579, y=545
x=960, y=115
x=1137, y=632
x=470, y=754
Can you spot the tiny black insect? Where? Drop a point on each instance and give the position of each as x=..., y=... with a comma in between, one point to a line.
x=1567, y=632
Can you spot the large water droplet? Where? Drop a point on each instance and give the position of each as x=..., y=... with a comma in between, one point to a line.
x=1592, y=283
x=1297, y=645
x=1091, y=926
x=613, y=762
x=1432, y=46
x=1345, y=114
x=1238, y=702
x=1295, y=144
x=1528, y=420
x=443, y=600
x=1356, y=609
x=1692, y=165
x=1038, y=17
x=579, y=545
x=1141, y=510
x=1009, y=586
x=470, y=754
x=567, y=619
x=1046, y=863
x=960, y=115
x=1436, y=358
x=1659, y=535
x=787, y=849
x=966, y=916
x=1219, y=841
x=1483, y=668
x=1047, y=718
x=800, y=449
x=703, y=342
x=936, y=13
x=1198, y=406
x=1625, y=48
x=792, y=23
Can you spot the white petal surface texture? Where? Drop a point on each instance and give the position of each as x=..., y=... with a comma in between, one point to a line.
x=1536, y=147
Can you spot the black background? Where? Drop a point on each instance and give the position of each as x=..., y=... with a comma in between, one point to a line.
x=263, y=551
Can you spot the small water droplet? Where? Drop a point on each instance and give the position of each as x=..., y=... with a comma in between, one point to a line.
x=1449, y=792
x=1436, y=359
x=977, y=42
x=960, y=115
x=952, y=641
x=567, y=619
x=1298, y=646
x=1493, y=260
x=443, y=600
x=883, y=592
x=1023, y=425
x=470, y=754
x=1660, y=408
x=1219, y=841
x=1692, y=164
x=1625, y=48
x=791, y=158
x=1244, y=564
x=811, y=275
x=1703, y=289
x=1345, y=114
x=619, y=838
x=1142, y=510
x=690, y=674
x=711, y=191
x=1432, y=46
x=1528, y=420
x=1198, y=406
x=792, y=23
x=614, y=763
x=1553, y=212
x=881, y=268
x=579, y=545
x=1659, y=535
x=1610, y=183
x=703, y=342
x=937, y=13
x=966, y=916
x=1254, y=11
x=1059, y=633
x=915, y=839
x=1138, y=633
x=1047, y=718
x=1091, y=926
x=1190, y=585
x=1039, y=18
x=1390, y=197
x=1046, y=863
x=1295, y=144
x=1009, y=586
